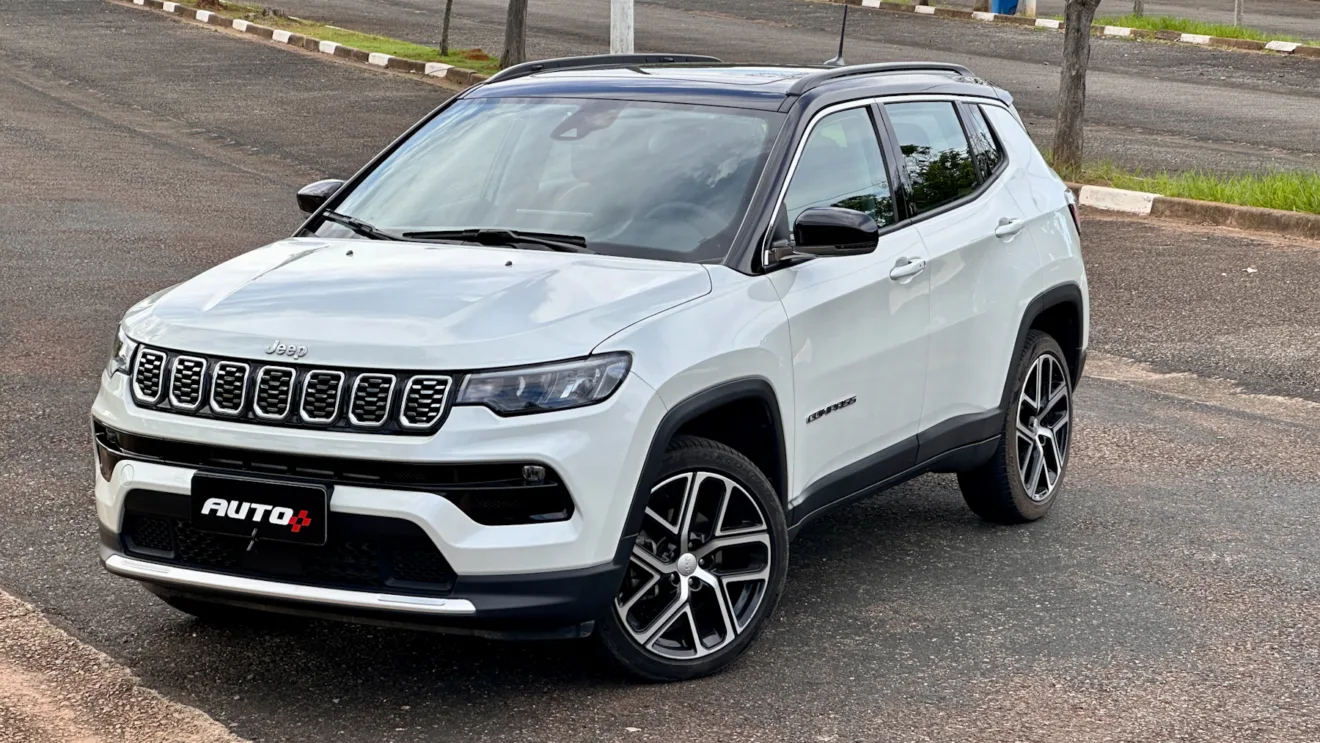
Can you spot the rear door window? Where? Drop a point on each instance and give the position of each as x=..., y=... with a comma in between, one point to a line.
x=936, y=154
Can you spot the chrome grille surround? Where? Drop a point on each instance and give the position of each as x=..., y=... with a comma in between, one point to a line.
x=321, y=390
x=149, y=367
x=424, y=399
x=281, y=393
x=368, y=399
x=229, y=378
x=187, y=381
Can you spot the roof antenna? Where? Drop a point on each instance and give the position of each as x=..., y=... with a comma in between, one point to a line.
x=838, y=61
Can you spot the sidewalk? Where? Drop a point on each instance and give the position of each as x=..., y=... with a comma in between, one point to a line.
x=54, y=689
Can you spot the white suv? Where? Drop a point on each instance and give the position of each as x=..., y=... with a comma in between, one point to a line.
x=580, y=352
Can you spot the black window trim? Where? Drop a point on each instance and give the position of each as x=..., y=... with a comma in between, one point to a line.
x=982, y=187
x=896, y=189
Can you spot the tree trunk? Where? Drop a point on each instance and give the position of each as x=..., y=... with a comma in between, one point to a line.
x=1072, y=85
x=515, y=34
x=1138, y=8
x=444, y=28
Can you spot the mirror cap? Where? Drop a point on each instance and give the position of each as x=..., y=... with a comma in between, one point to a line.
x=832, y=230
x=312, y=196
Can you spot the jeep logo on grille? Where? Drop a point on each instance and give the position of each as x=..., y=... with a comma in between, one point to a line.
x=258, y=512
x=287, y=349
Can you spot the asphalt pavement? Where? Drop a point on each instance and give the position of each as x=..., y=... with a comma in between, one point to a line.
x=1172, y=594
x=1150, y=106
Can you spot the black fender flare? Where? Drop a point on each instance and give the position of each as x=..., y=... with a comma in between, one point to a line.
x=1062, y=294
x=689, y=409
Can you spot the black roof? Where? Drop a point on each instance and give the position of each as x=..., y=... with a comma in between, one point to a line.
x=768, y=87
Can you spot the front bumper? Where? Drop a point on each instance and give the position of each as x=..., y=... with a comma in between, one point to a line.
x=504, y=576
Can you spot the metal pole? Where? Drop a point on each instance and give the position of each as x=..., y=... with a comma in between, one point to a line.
x=621, y=26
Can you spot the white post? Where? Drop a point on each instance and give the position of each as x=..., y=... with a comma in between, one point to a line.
x=1028, y=8
x=621, y=26
x=1237, y=12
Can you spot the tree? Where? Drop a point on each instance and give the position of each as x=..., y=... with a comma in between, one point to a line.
x=515, y=34
x=1078, y=15
x=1138, y=8
x=444, y=28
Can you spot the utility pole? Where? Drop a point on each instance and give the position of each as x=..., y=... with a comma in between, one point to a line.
x=1237, y=12
x=1028, y=8
x=1138, y=8
x=621, y=26
x=444, y=28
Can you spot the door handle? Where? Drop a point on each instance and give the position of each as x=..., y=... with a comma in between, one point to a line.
x=1009, y=227
x=907, y=267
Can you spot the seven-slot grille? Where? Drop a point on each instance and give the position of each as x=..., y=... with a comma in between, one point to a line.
x=424, y=401
x=335, y=399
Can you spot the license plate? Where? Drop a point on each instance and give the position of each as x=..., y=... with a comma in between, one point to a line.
x=260, y=509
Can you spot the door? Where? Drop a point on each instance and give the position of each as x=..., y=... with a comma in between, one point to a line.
x=979, y=255
x=857, y=323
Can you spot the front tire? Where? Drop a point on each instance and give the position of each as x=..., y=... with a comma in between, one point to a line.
x=1021, y=481
x=706, y=570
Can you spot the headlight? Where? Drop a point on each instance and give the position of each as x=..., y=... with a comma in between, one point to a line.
x=539, y=389
x=122, y=354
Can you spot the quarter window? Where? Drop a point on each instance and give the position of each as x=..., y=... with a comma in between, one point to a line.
x=841, y=165
x=936, y=154
x=988, y=152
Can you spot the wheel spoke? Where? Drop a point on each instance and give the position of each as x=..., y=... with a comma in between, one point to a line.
x=730, y=628
x=657, y=628
x=651, y=562
x=1025, y=432
x=1055, y=398
x=626, y=607
x=1034, y=484
x=714, y=545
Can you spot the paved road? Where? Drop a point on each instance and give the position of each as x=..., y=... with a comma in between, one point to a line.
x=1150, y=106
x=1172, y=593
x=1300, y=18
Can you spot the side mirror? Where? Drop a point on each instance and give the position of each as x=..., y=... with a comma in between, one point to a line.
x=831, y=230
x=311, y=197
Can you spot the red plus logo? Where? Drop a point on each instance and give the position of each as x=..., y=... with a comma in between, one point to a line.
x=298, y=522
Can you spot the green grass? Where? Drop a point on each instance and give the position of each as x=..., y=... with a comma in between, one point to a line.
x=1188, y=26
x=1294, y=191
x=469, y=59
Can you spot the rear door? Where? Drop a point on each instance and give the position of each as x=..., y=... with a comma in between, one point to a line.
x=858, y=334
x=960, y=187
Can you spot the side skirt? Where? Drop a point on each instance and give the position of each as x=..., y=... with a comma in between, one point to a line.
x=956, y=445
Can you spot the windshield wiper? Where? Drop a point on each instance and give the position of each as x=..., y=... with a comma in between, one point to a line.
x=507, y=238
x=364, y=229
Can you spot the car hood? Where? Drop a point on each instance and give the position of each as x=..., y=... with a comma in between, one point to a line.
x=396, y=305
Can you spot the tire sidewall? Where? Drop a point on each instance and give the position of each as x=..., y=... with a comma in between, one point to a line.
x=711, y=457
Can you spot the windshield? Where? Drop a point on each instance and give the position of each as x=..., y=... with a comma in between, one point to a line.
x=648, y=180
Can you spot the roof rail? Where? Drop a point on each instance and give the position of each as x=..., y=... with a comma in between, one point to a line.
x=815, y=79
x=600, y=60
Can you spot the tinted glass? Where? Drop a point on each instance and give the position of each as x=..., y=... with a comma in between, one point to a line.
x=935, y=152
x=651, y=180
x=841, y=165
x=988, y=152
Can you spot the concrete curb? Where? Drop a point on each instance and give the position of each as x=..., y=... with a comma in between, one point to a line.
x=1295, y=224
x=1280, y=47
x=455, y=76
